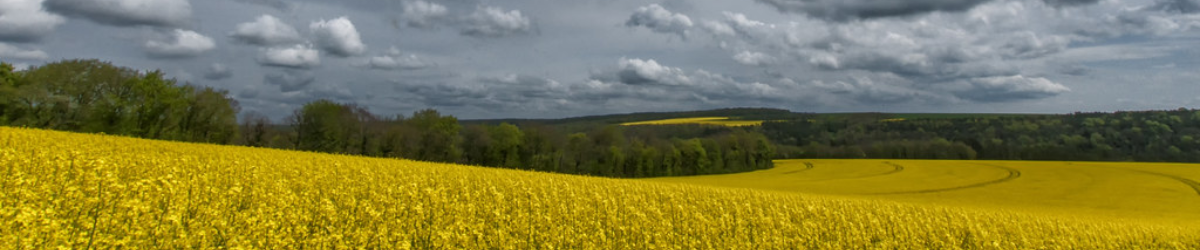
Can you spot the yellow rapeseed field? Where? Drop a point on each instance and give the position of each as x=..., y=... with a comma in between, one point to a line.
x=77, y=191
x=1156, y=192
x=720, y=121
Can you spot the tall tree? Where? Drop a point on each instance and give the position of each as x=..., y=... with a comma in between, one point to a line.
x=439, y=141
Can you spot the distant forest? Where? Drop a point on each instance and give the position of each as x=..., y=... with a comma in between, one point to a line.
x=1121, y=136
x=97, y=97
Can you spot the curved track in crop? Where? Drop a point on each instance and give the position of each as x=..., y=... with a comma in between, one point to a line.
x=807, y=166
x=1191, y=183
x=1012, y=175
x=896, y=168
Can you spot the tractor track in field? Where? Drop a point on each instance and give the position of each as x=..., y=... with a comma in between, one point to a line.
x=1191, y=183
x=896, y=168
x=807, y=166
x=1012, y=175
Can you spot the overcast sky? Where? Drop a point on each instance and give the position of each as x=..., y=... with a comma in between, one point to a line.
x=553, y=58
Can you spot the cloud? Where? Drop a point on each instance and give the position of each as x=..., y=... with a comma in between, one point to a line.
x=328, y=91
x=298, y=57
x=658, y=19
x=647, y=80
x=847, y=10
x=448, y=95
x=753, y=58
x=737, y=24
x=290, y=80
x=338, y=37
x=126, y=12
x=1061, y=3
x=26, y=20
x=638, y=72
x=266, y=30
x=491, y=22
x=1179, y=6
x=218, y=71
x=13, y=52
x=422, y=14
x=864, y=90
x=277, y=4
x=180, y=44
x=394, y=60
x=1010, y=88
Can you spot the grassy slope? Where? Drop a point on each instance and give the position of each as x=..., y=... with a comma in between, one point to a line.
x=79, y=191
x=1137, y=191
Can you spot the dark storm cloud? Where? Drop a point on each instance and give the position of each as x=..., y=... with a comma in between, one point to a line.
x=126, y=12
x=846, y=10
x=445, y=95
x=218, y=71
x=520, y=58
x=290, y=80
x=26, y=21
x=1180, y=6
x=277, y=4
x=1070, y=2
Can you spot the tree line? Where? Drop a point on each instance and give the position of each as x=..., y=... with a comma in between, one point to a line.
x=97, y=97
x=613, y=151
x=1169, y=135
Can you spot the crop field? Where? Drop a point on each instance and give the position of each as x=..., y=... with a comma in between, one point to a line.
x=79, y=191
x=1162, y=192
x=721, y=121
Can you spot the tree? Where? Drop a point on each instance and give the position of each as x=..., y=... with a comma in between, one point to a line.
x=98, y=97
x=324, y=126
x=8, y=91
x=506, y=145
x=255, y=129
x=476, y=143
x=439, y=141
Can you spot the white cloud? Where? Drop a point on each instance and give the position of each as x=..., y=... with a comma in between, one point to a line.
x=298, y=56
x=638, y=71
x=1010, y=88
x=13, y=52
x=26, y=20
x=424, y=14
x=266, y=30
x=658, y=19
x=338, y=37
x=180, y=43
x=126, y=12
x=394, y=60
x=495, y=22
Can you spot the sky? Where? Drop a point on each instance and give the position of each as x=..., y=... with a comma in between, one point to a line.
x=478, y=59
